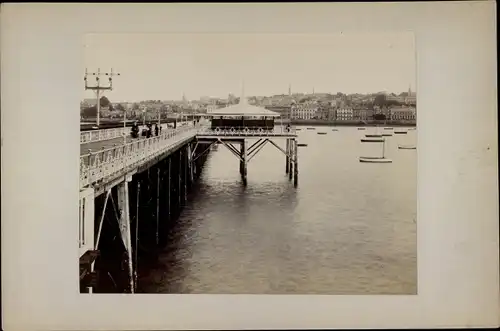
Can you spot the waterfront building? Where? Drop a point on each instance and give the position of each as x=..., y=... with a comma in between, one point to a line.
x=345, y=114
x=365, y=114
x=332, y=113
x=356, y=114
x=284, y=111
x=402, y=114
x=305, y=111
x=211, y=108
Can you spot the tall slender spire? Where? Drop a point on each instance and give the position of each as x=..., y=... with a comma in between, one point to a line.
x=243, y=99
x=289, y=89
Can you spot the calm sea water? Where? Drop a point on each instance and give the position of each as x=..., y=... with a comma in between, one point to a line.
x=348, y=228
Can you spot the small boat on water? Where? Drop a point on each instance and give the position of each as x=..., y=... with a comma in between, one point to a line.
x=335, y=129
x=302, y=145
x=400, y=132
x=386, y=134
x=311, y=128
x=374, y=160
x=321, y=132
x=298, y=129
x=361, y=128
x=406, y=147
x=373, y=135
x=388, y=128
x=372, y=140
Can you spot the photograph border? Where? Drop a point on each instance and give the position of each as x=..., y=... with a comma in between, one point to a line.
x=457, y=168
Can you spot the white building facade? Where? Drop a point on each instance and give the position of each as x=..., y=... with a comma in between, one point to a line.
x=403, y=114
x=345, y=114
x=305, y=111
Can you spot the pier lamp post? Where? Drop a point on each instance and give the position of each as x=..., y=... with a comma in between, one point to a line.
x=97, y=88
x=144, y=116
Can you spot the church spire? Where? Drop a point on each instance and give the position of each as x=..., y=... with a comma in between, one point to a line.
x=243, y=99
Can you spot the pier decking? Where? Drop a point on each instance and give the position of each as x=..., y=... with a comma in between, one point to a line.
x=147, y=180
x=105, y=164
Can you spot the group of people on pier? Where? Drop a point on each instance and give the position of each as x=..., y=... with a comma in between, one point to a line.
x=146, y=132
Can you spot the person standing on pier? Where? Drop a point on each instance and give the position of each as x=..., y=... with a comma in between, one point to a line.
x=156, y=130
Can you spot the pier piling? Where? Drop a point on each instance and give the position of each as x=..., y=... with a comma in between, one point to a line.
x=185, y=173
x=243, y=162
x=296, y=168
x=190, y=164
x=124, y=222
x=169, y=190
x=287, y=149
x=158, y=205
x=179, y=175
x=136, y=248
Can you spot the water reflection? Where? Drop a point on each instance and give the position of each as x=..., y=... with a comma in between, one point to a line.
x=347, y=229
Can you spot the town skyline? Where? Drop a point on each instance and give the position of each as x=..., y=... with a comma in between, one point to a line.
x=213, y=65
x=105, y=94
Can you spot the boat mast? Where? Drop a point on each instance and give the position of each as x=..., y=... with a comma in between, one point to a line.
x=383, y=149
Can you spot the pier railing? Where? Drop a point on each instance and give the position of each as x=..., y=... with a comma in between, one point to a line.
x=99, y=165
x=248, y=132
x=108, y=134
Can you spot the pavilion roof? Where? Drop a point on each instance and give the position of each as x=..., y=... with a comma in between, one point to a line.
x=244, y=109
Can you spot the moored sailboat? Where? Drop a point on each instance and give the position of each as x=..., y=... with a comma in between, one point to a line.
x=376, y=159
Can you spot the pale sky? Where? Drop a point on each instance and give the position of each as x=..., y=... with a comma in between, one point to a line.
x=164, y=66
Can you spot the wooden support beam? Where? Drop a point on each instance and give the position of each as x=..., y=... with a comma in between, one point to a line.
x=194, y=149
x=233, y=149
x=102, y=219
x=251, y=148
x=258, y=147
x=232, y=146
x=235, y=153
x=206, y=150
x=278, y=147
x=258, y=150
x=287, y=159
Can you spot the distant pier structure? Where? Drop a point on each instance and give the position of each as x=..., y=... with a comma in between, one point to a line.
x=242, y=124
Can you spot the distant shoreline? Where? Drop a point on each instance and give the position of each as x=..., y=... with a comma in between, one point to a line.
x=351, y=123
x=108, y=124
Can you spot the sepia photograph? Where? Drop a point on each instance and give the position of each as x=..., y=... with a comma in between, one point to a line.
x=248, y=164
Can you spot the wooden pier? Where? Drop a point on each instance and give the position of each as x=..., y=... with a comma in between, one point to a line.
x=131, y=193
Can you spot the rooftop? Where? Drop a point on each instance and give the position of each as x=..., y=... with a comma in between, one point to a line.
x=243, y=109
